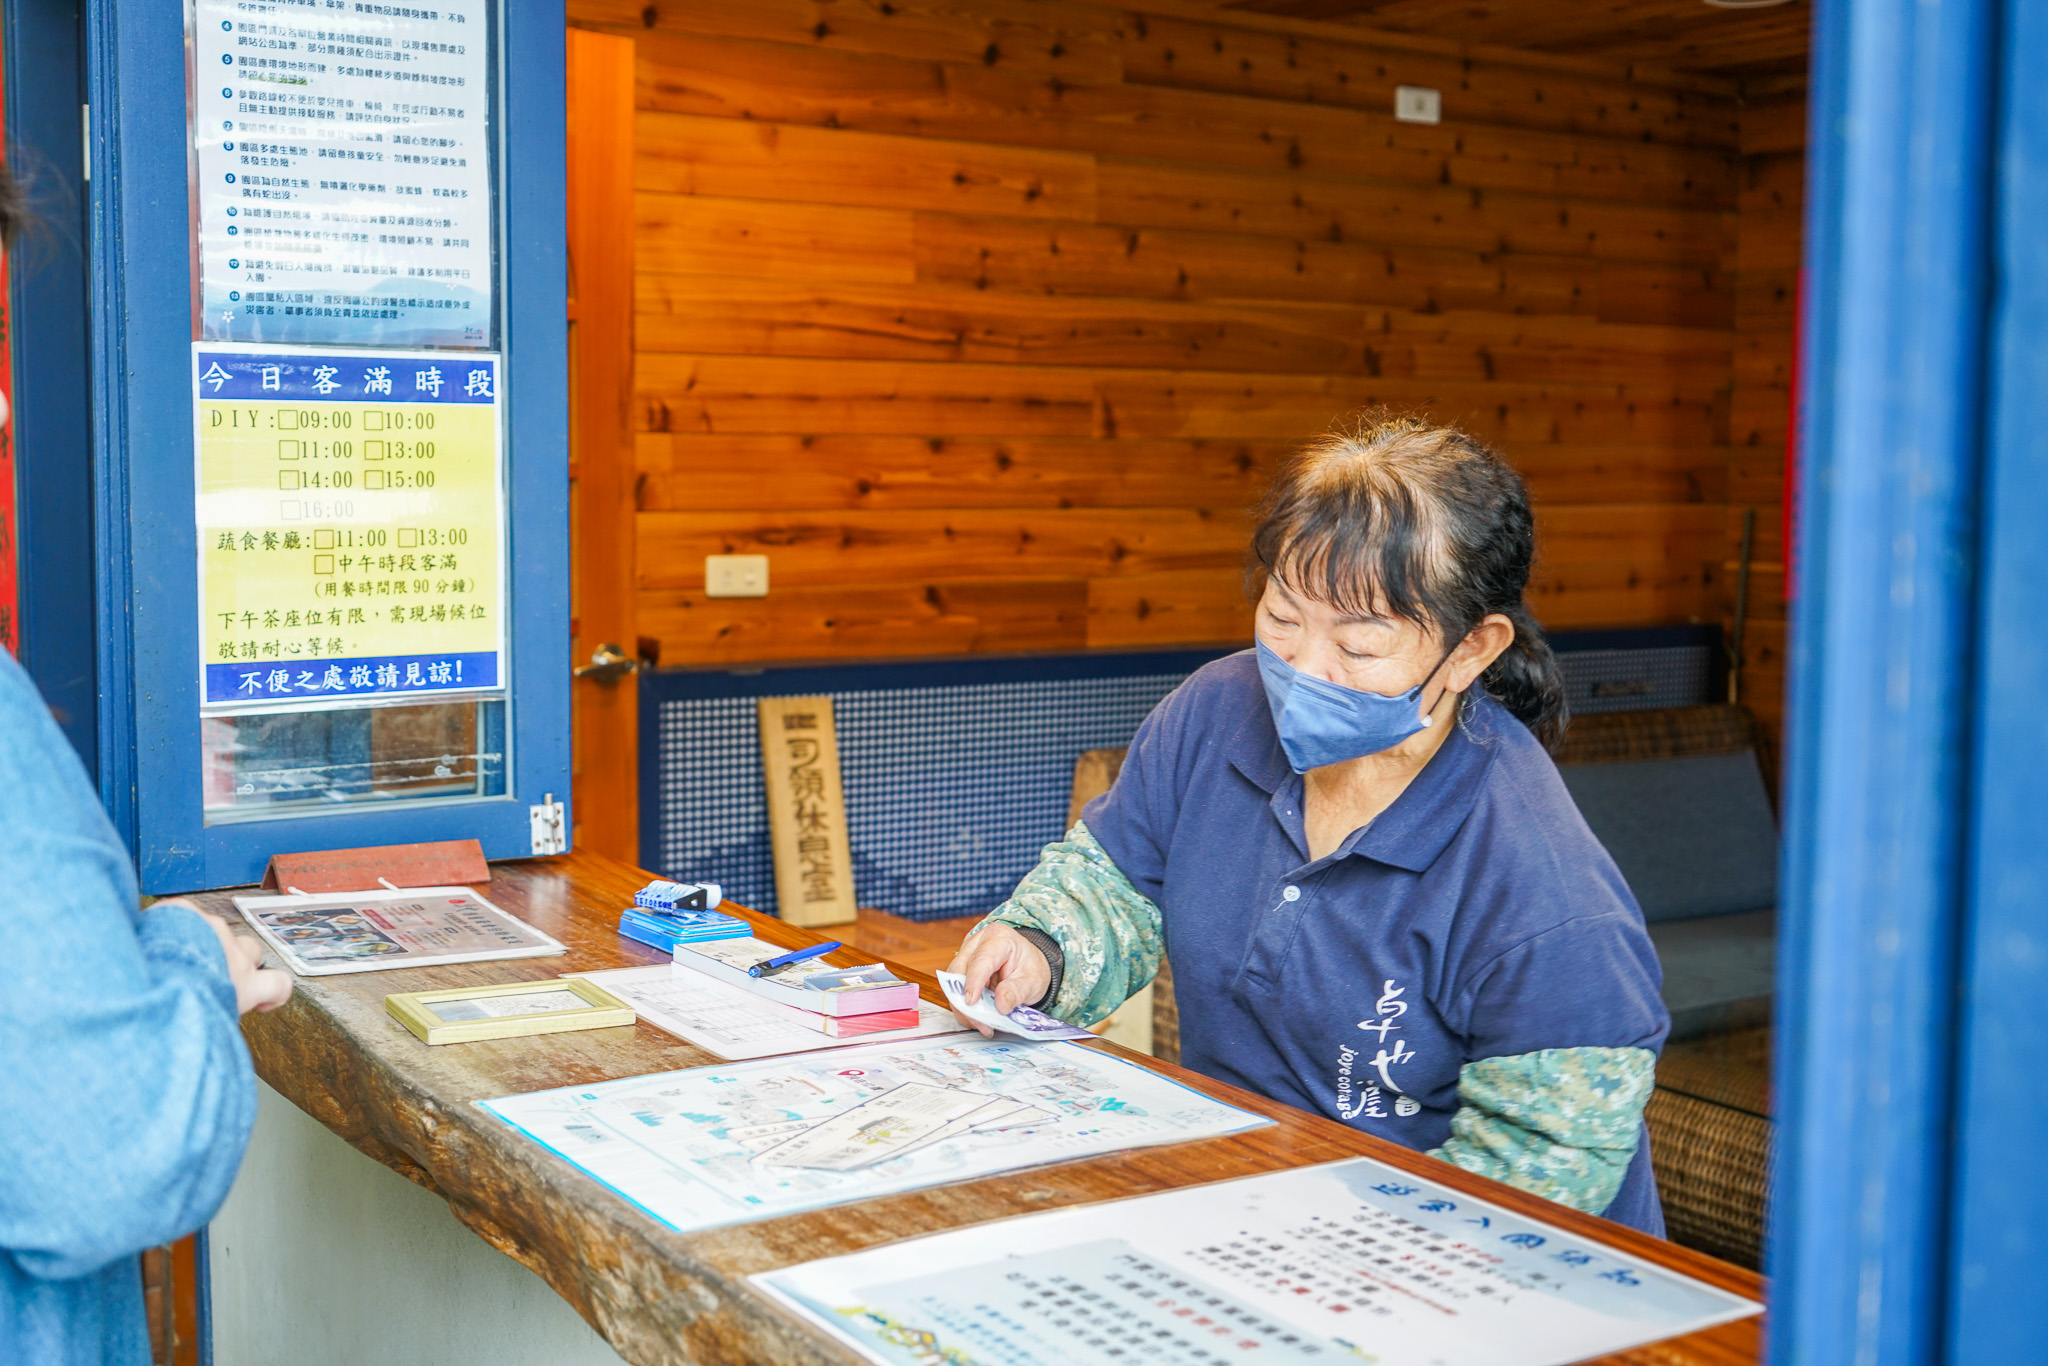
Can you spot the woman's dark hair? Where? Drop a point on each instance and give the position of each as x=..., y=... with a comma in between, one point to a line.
x=14, y=215
x=1393, y=514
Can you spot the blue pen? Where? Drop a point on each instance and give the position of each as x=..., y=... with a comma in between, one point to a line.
x=773, y=964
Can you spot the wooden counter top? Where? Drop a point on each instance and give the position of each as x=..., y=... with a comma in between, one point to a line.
x=663, y=1298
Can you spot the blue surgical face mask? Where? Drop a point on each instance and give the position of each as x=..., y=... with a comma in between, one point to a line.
x=1321, y=722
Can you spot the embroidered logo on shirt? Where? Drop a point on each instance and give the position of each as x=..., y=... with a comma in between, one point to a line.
x=1360, y=1097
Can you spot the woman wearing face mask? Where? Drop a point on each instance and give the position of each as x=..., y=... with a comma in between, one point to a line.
x=1380, y=902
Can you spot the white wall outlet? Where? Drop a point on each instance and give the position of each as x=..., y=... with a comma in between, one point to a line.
x=1418, y=104
x=735, y=576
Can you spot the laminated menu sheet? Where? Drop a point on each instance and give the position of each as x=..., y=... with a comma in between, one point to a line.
x=1346, y=1262
x=721, y=1145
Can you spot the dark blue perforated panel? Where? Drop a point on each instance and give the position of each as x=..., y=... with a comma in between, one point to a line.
x=956, y=774
x=1640, y=670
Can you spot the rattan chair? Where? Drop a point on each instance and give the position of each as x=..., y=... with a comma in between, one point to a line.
x=1710, y=1116
x=1710, y=1142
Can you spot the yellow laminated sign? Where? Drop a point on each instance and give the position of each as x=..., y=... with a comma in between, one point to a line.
x=351, y=524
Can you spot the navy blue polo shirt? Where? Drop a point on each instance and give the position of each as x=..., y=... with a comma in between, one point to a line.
x=1476, y=917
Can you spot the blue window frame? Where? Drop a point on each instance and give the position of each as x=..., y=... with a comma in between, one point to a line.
x=2000, y=1190
x=52, y=418
x=1911, y=1203
x=150, y=755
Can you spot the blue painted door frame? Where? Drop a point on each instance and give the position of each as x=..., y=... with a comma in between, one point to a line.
x=1911, y=1191
x=147, y=608
x=52, y=418
x=2000, y=1215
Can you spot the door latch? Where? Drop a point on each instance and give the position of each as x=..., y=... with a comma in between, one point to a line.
x=608, y=664
x=550, y=826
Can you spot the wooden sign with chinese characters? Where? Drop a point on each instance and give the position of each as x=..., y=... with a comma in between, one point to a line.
x=806, y=810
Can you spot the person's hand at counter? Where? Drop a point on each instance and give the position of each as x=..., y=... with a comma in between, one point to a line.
x=256, y=987
x=998, y=958
x=128, y=1091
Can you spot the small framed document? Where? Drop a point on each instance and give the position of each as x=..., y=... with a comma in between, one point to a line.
x=466, y=1014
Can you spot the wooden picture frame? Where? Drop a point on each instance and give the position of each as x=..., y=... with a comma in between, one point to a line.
x=418, y=1012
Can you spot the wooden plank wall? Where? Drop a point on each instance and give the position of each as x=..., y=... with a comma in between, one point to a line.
x=605, y=801
x=1766, y=301
x=986, y=319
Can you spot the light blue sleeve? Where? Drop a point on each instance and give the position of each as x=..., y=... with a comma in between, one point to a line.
x=126, y=1092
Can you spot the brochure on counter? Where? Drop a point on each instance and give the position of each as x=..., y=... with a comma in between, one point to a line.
x=734, y=1024
x=413, y=927
x=808, y=986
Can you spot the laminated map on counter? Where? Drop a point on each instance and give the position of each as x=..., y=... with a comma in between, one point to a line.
x=721, y=1145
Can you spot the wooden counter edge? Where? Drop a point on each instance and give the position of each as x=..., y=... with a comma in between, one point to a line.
x=650, y=1306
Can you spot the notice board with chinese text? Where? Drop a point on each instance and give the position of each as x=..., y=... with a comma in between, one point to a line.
x=336, y=404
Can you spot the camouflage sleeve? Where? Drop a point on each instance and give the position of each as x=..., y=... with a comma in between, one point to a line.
x=1107, y=929
x=1562, y=1123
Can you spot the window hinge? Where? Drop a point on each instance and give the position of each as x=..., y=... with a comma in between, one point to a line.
x=550, y=826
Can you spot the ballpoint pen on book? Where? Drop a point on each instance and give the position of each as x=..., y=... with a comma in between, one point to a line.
x=790, y=959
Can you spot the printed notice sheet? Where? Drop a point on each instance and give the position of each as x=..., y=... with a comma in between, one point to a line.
x=734, y=1023
x=1352, y=1261
x=342, y=158
x=350, y=526
x=720, y=1145
x=372, y=931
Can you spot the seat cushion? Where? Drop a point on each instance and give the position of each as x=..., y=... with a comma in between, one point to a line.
x=1719, y=970
x=1693, y=835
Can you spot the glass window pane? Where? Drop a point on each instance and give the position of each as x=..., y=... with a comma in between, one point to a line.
x=265, y=763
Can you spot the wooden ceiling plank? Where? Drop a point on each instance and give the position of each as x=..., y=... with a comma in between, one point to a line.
x=1670, y=35
x=1362, y=74
x=1248, y=17
x=1541, y=26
